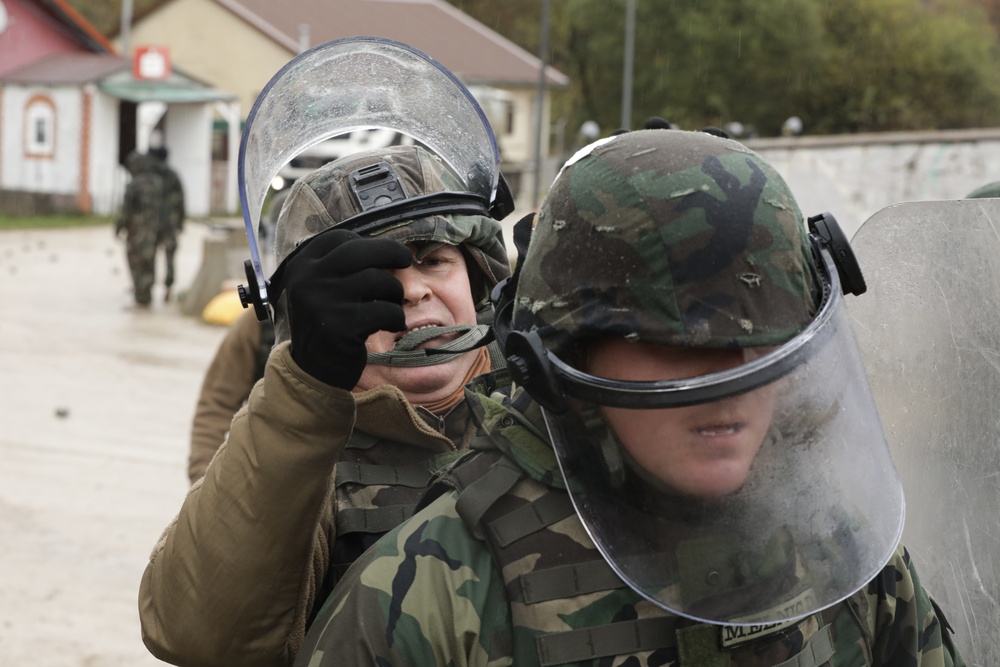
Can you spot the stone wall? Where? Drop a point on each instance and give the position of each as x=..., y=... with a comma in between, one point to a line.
x=854, y=176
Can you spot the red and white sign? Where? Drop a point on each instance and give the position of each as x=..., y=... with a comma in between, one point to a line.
x=151, y=62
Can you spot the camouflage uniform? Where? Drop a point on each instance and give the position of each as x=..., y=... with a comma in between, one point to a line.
x=310, y=475
x=499, y=569
x=171, y=218
x=516, y=580
x=152, y=214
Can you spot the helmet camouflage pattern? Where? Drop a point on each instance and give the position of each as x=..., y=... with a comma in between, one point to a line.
x=985, y=191
x=667, y=237
x=323, y=199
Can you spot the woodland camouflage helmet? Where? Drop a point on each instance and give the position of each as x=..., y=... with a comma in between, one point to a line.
x=711, y=480
x=326, y=198
x=985, y=191
x=688, y=239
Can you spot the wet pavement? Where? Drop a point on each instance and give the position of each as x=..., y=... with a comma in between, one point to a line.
x=96, y=403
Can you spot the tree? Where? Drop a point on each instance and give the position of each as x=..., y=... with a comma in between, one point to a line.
x=897, y=65
x=841, y=65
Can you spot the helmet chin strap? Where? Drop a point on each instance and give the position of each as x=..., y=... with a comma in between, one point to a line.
x=404, y=354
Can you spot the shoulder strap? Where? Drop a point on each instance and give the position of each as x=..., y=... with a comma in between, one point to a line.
x=509, y=524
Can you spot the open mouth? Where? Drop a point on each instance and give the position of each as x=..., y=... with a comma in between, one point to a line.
x=416, y=337
x=719, y=430
x=403, y=334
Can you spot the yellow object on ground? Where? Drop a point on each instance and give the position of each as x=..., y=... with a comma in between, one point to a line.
x=223, y=308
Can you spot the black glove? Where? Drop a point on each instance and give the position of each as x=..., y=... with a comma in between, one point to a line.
x=337, y=294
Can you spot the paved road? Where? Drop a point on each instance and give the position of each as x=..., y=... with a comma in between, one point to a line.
x=83, y=497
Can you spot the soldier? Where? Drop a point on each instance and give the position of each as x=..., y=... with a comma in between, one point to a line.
x=386, y=259
x=688, y=469
x=152, y=215
x=171, y=216
x=142, y=209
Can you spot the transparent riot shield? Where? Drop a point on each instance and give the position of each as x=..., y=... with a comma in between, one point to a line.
x=359, y=84
x=929, y=332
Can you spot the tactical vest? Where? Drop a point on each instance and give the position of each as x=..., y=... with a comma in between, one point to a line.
x=554, y=578
x=372, y=496
x=377, y=485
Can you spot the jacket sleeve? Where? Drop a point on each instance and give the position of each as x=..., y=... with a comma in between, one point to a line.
x=225, y=389
x=234, y=577
x=909, y=629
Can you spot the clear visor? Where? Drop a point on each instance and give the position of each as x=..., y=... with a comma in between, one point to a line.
x=754, y=505
x=354, y=84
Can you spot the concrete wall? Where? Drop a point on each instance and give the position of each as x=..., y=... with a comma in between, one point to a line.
x=188, y=128
x=854, y=176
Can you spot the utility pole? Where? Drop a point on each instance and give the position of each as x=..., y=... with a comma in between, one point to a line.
x=126, y=29
x=627, y=70
x=543, y=55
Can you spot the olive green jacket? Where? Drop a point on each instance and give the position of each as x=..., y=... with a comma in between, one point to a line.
x=224, y=389
x=235, y=577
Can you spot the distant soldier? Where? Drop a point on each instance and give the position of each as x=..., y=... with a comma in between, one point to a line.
x=171, y=215
x=152, y=214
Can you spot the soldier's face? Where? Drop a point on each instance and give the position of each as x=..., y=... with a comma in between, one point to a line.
x=436, y=292
x=702, y=450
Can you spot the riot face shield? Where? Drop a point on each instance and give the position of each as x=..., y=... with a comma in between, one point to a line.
x=366, y=83
x=928, y=334
x=756, y=494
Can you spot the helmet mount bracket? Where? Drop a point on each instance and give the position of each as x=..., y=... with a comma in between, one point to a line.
x=826, y=233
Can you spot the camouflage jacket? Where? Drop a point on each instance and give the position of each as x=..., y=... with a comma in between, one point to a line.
x=173, y=210
x=308, y=477
x=464, y=582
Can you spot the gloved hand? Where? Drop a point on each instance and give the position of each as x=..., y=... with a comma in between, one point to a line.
x=337, y=294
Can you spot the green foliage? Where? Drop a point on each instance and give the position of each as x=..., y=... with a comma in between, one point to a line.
x=893, y=65
x=105, y=15
x=840, y=65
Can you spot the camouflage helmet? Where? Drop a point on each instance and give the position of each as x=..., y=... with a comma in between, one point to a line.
x=985, y=191
x=325, y=198
x=667, y=237
x=136, y=162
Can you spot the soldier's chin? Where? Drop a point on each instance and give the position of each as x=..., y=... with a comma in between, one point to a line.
x=699, y=482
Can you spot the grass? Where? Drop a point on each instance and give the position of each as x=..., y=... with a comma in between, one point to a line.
x=53, y=221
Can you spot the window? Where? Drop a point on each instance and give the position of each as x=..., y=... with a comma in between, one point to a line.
x=40, y=127
x=508, y=117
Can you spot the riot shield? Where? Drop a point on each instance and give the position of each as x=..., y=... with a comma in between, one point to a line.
x=929, y=332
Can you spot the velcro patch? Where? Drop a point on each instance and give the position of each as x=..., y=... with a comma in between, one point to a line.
x=735, y=635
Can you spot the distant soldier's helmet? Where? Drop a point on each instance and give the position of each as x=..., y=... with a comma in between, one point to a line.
x=692, y=241
x=136, y=162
